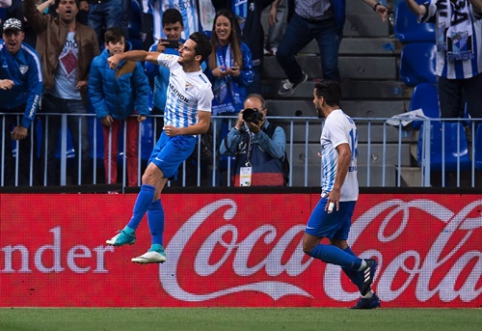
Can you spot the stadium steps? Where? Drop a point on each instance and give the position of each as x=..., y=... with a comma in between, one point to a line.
x=369, y=61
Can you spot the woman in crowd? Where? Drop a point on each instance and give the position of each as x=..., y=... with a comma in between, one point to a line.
x=230, y=69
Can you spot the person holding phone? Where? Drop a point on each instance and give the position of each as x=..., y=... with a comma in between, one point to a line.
x=172, y=26
x=230, y=69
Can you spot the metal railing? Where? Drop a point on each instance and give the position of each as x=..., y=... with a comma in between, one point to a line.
x=389, y=156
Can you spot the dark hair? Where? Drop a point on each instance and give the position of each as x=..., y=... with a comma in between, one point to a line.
x=203, y=47
x=114, y=35
x=259, y=97
x=77, y=2
x=171, y=16
x=233, y=39
x=330, y=90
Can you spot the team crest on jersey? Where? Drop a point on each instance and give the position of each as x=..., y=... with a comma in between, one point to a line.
x=23, y=69
x=188, y=87
x=169, y=57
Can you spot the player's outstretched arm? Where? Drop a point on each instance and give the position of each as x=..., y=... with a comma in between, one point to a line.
x=136, y=56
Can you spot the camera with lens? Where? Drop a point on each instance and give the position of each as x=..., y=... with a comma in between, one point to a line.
x=252, y=115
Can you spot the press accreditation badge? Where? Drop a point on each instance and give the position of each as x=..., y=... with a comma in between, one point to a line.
x=245, y=176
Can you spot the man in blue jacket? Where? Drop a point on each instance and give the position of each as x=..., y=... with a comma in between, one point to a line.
x=20, y=91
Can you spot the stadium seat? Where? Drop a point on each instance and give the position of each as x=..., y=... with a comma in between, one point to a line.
x=408, y=30
x=417, y=64
x=478, y=148
x=446, y=142
x=425, y=96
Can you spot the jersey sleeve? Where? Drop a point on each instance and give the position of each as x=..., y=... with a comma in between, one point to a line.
x=336, y=132
x=205, y=99
x=168, y=60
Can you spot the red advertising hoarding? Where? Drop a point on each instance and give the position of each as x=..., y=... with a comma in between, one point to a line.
x=241, y=250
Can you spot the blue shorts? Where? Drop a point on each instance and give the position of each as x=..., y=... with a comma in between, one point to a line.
x=332, y=226
x=170, y=152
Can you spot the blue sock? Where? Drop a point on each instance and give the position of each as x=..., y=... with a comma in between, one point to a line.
x=334, y=255
x=155, y=219
x=144, y=199
x=355, y=276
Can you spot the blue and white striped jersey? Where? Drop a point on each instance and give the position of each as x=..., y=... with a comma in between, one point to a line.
x=187, y=8
x=339, y=129
x=458, y=38
x=188, y=93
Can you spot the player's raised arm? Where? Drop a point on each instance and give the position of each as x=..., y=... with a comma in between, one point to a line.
x=136, y=55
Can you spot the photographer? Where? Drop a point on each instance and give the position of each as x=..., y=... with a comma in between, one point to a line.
x=259, y=147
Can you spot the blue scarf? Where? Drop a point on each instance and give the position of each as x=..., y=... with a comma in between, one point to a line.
x=455, y=31
x=226, y=92
x=240, y=10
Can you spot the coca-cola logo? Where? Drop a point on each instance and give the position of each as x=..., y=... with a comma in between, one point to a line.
x=241, y=249
x=408, y=268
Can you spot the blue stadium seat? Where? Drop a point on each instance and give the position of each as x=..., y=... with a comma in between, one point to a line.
x=408, y=30
x=478, y=148
x=148, y=139
x=417, y=64
x=425, y=96
x=446, y=142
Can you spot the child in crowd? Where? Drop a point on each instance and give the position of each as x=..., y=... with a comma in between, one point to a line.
x=115, y=96
x=172, y=26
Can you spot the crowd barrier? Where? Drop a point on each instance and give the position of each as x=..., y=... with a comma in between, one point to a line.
x=440, y=153
x=241, y=250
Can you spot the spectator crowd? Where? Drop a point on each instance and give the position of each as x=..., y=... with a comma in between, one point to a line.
x=54, y=55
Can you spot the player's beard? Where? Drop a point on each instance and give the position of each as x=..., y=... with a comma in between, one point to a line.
x=185, y=63
x=319, y=112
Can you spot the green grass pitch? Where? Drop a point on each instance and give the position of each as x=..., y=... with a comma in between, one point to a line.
x=227, y=319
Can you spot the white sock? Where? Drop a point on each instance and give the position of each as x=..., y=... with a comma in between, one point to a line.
x=363, y=265
x=368, y=295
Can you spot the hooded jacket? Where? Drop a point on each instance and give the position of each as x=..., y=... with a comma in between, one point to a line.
x=119, y=92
